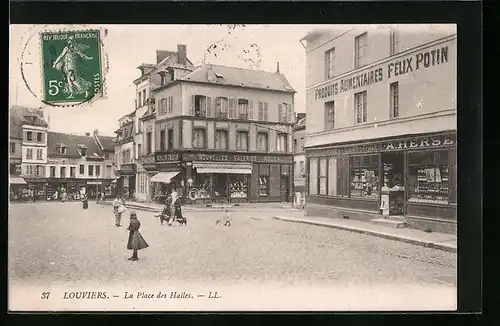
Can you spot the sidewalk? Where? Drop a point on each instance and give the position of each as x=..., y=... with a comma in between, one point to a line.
x=154, y=207
x=440, y=241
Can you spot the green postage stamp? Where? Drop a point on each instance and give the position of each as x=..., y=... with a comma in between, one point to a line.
x=71, y=66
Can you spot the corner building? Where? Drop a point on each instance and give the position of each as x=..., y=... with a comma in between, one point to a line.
x=381, y=124
x=225, y=134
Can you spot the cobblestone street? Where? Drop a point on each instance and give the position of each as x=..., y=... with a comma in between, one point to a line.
x=59, y=243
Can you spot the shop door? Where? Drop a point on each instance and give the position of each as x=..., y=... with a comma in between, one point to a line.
x=284, y=188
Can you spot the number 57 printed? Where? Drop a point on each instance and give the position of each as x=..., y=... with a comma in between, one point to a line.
x=72, y=68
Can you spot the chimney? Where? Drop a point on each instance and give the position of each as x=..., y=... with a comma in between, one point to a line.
x=96, y=133
x=162, y=54
x=181, y=54
x=278, y=67
x=87, y=134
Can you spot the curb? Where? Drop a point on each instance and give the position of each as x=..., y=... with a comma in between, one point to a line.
x=192, y=209
x=417, y=242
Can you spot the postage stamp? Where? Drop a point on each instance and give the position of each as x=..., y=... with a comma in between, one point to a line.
x=71, y=66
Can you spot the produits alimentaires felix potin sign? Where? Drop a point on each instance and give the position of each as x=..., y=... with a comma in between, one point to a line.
x=412, y=63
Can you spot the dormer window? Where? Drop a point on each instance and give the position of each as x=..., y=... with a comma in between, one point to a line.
x=62, y=150
x=82, y=149
x=219, y=75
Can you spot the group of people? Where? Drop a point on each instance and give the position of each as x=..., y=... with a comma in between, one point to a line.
x=172, y=210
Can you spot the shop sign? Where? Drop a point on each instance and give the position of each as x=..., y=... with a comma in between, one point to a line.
x=94, y=182
x=396, y=145
x=15, y=160
x=18, y=169
x=167, y=157
x=236, y=158
x=147, y=159
x=127, y=169
x=419, y=61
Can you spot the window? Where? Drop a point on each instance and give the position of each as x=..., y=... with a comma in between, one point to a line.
x=139, y=126
x=283, y=112
x=233, y=107
x=242, y=140
x=29, y=136
x=139, y=102
x=360, y=107
x=29, y=153
x=329, y=115
x=221, y=107
x=281, y=142
x=199, y=138
x=97, y=170
x=200, y=106
x=29, y=169
x=40, y=171
x=302, y=168
x=221, y=139
x=83, y=151
x=91, y=170
x=262, y=142
x=364, y=176
x=63, y=172
x=329, y=60
x=170, y=139
x=162, y=106
x=162, y=140
x=82, y=169
x=323, y=177
x=243, y=109
x=12, y=146
x=263, y=189
x=313, y=176
x=294, y=145
x=39, y=137
x=263, y=111
x=394, y=41
x=144, y=99
x=39, y=154
x=72, y=172
x=332, y=176
x=52, y=171
x=139, y=150
x=62, y=150
x=170, y=104
x=394, y=100
x=360, y=43
x=149, y=143
x=108, y=171
x=430, y=177
x=238, y=186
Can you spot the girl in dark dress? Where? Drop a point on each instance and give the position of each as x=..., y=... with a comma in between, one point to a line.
x=135, y=240
x=85, y=201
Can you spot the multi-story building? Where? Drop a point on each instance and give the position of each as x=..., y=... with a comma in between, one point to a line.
x=79, y=164
x=381, y=123
x=16, y=182
x=125, y=167
x=299, y=158
x=169, y=66
x=33, y=148
x=225, y=134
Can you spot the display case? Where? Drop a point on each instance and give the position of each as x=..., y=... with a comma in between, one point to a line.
x=431, y=186
x=238, y=187
x=263, y=186
x=364, y=183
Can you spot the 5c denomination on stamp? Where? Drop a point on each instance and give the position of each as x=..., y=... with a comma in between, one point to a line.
x=71, y=66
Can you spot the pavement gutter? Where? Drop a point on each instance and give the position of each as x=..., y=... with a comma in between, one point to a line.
x=191, y=209
x=405, y=239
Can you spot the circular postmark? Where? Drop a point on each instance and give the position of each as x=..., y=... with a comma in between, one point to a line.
x=65, y=65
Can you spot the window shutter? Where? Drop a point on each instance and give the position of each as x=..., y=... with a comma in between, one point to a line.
x=261, y=111
x=290, y=113
x=208, y=103
x=280, y=112
x=265, y=111
x=250, y=110
x=191, y=108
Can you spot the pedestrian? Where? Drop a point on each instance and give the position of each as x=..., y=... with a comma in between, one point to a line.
x=64, y=196
x=85, y=201
x=135, y=240
x=118, y=209
x=177, y=211
x=102, y=196
x=227, y=217
x=166, y=214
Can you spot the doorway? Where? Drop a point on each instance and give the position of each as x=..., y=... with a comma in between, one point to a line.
x=285, y=188
x=393, y=181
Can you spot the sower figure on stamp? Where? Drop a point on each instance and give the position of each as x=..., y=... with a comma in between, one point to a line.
x=135, y=240
x=66, y=62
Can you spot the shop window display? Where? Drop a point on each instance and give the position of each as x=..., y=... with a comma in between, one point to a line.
x=263, y=186
x=238, y=186
x=428, y=173
x=203, y=183
x=313, y=176
x=364, y=177
x=322, y=177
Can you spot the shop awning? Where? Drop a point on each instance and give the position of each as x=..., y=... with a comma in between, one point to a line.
x=164, y=177
x=15, y=180
x=233, y=168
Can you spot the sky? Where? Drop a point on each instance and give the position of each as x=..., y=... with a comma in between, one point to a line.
x=127, y=46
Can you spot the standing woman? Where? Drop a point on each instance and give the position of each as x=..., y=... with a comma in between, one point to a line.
x=85, y=201
x=135, y=240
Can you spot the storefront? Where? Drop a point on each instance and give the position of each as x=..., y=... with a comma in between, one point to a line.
x=166, y=174
x=18, y=188
x=127, y=180
x=412, y=176
x=236, y=178
x=38, y=186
